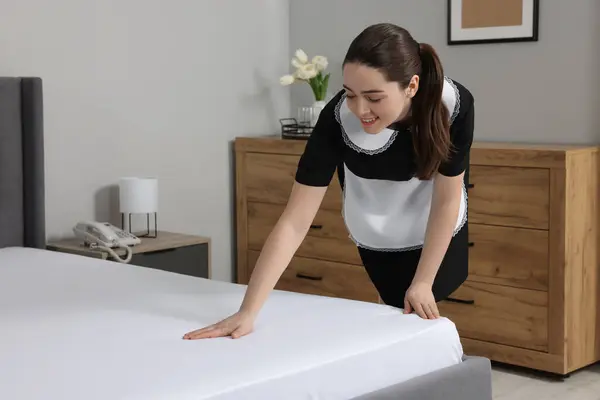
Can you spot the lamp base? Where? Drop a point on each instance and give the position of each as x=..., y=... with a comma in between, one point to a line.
x=147, y=234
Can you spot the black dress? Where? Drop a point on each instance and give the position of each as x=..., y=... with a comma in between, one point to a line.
x=385, y=207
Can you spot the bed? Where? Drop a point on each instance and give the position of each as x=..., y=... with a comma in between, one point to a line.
x=76, y=327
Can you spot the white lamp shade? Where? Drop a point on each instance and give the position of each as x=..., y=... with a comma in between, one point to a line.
x=138, y=195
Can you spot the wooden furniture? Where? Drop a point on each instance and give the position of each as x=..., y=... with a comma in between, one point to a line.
x=532, y=295
x=173, y=252
x=533, y=290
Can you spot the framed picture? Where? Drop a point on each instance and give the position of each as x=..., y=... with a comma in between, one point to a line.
x=492, y=21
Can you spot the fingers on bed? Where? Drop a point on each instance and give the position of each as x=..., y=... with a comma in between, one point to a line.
x=407, y=307
x=420, y=310
x=428, y=311
x=208, y=332
x=238, y=333
x=425, y=311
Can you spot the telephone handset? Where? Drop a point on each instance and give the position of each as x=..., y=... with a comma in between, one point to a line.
x=106, y=236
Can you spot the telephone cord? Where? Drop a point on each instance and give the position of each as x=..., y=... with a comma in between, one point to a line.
x=115, y=255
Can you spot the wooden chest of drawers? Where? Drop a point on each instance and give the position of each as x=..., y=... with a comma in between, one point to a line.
x=532, y=296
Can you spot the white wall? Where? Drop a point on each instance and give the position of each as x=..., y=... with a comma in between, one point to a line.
x=149, y=87
x=546, y=91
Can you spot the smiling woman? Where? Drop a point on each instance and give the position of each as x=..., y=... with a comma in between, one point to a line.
x=398, y=135
x=371, y=97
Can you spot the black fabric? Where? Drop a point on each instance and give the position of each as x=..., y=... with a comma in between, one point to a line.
x=324, y=149
x=22, y=200
x=392, y=272
x=461, y=136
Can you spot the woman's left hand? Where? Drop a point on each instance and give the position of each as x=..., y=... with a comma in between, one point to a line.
x=419, y=298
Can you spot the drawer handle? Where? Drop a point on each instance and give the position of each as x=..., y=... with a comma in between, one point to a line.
x=312, y=278
x=316, y=227
x=453, y=300
x=470, y=186
x=471, y=244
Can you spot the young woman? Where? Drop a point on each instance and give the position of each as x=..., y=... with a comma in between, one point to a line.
x=399, y=135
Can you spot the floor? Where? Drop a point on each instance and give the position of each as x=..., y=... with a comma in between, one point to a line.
x=517, y=384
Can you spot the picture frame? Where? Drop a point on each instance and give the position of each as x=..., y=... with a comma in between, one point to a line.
x=492, y=21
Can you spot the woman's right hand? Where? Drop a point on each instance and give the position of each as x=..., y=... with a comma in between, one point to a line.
x=278, y=250
x=236, y=326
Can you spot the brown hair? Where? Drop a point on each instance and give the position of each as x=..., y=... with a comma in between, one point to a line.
x=395, y=53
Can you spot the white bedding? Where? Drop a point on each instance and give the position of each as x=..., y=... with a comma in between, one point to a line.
x=75, y=328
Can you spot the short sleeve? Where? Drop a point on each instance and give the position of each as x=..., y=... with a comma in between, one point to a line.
x=323, y=150
x=461, y=136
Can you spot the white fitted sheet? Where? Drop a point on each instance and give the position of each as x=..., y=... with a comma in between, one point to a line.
x=77, y=328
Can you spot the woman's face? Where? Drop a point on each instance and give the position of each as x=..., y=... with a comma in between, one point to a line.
x=375, y=101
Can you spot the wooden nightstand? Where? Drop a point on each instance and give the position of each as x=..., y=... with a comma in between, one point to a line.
x=173, y=252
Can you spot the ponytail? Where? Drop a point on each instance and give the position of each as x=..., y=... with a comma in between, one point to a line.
x=431, y=137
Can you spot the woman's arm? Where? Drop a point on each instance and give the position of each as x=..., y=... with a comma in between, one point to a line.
x=282, y=244
x=445, y=206
x=316, y=168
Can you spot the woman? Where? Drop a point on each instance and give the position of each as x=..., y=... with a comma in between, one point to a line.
x=399, y=135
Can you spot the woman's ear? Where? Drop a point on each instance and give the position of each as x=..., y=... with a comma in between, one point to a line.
x=413, y=86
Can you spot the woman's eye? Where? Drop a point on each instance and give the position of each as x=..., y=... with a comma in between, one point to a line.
x=373, y=100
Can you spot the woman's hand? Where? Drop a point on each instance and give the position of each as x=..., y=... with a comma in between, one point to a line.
x=236, y=326
x=419, y=298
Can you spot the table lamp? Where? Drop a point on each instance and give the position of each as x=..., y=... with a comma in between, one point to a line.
x=138, y=196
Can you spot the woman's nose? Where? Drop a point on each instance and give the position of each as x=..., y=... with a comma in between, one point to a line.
x=363, y=108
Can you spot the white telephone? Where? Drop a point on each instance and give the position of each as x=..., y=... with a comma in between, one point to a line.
x=106, y=236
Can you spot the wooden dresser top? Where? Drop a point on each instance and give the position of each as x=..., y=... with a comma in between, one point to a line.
x=540, y=155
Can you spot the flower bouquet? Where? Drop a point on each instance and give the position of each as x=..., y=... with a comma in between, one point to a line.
x=309, y=72
x=312, y=73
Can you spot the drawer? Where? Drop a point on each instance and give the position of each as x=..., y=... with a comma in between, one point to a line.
x=269, y=178
x=515, y=257
x=324, y=278
x=327, y=239
x=509, y=196
x=499, y=314
x=188, y=260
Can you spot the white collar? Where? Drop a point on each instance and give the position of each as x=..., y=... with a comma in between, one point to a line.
x=356, y=137
x=360, y=141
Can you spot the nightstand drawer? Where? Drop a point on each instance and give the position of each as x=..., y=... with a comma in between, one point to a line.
x=188, y=260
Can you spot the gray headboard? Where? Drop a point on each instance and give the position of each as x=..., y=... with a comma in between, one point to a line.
x=22, y=185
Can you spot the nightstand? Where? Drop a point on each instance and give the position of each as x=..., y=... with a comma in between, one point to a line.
x=173, y=252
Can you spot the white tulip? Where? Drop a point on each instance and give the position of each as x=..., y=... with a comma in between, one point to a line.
x=320, y=62
x=306, y=71
x=301, y=56
x=287, y=80
x=296, y=63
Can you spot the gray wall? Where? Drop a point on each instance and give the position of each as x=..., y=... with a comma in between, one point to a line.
x=546, y=91
x=149, y=87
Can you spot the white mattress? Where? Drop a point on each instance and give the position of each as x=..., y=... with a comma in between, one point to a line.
x=77, y=328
